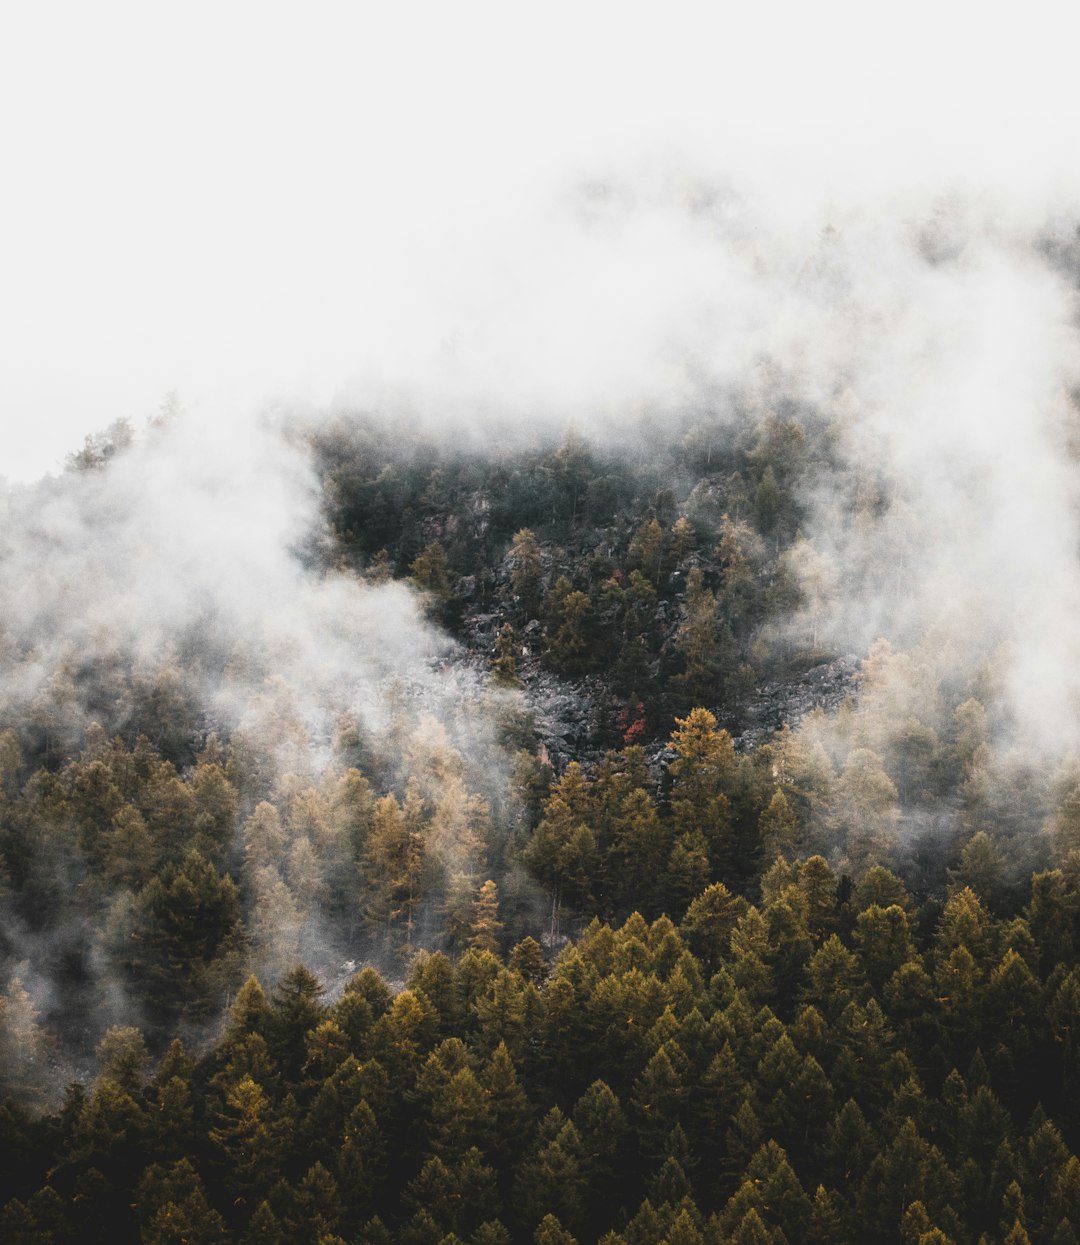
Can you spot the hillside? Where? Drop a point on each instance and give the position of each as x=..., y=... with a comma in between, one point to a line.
x=538, y=866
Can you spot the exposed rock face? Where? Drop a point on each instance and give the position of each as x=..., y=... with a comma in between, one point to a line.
x=787, y=701
x=568, y=714
x=567, y=717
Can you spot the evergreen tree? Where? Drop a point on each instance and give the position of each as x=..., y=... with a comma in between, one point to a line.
x=486, y=926
x=702, y=774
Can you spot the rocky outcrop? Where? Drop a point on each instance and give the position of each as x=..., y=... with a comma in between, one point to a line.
x=786, y=701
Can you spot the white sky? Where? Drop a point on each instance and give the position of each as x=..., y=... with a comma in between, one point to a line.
x=242, y=201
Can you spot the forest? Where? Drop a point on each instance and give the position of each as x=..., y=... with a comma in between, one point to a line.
x=504, y=872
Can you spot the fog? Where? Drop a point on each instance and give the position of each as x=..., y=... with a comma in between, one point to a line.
x=499, y=226
x=198, y=551
x=254, y=205
x=186, y=579
x=934, y=331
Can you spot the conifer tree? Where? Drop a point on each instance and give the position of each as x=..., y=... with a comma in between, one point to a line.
x=524, y=560
x=486, y=927
x=504, y=666
x=778, y=828
x=250, y=1137
x=24, y=1047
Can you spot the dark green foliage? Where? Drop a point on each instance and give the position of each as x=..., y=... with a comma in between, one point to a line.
x=428, y=1114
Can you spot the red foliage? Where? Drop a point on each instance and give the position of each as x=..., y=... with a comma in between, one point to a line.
x=631, y=721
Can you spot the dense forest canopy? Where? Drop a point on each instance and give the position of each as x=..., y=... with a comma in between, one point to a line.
x=666, y=830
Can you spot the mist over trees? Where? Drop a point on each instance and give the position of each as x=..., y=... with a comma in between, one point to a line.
x=561, y=837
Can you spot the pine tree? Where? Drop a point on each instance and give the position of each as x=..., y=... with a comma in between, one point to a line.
x=562, y=852
x=884, y=942
x=392, y=870
x=825, y=1227
x=551, y=1181
x=24, y=1047
x=361, y=1163
x=430, y=573
x=459, y=1193
x=504, y=666
x=551, y=1232
x=778, y=828
x=660, y=1096
x=709, y=923
x=570, y=629
x=865, y=812
x=525, y=564
x=647, y=549
x=186, y=947
x=833, y=979
x=316, y=1210
x=750, y=955
x=486, y=927
x=295, y=1012
x=508, y=1105
x=187, y=1220
x=251, y=1139
x=602, y=1126
x=702, y=772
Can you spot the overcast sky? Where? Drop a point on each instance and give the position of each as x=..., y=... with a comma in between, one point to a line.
x=246, y=202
